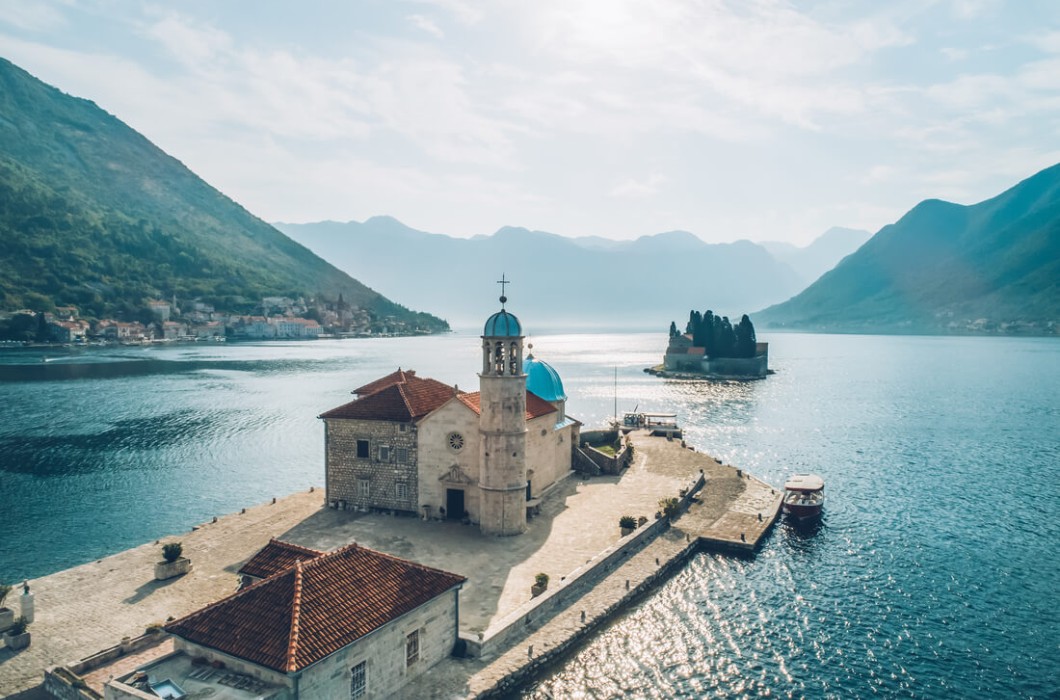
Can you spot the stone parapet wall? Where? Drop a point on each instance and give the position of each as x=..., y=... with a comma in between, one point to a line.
x=562, y=594
x=61, y=684
x=737, y=366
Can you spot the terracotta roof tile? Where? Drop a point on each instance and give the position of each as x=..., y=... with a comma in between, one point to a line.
x=275, y=557
x=398, y=401
x=535, y=405
x=398, y=377
x=314, y=608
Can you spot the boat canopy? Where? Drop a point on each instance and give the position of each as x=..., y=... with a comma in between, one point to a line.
x=805, y=482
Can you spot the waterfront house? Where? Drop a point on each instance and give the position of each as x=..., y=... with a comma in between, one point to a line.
x=353, y=623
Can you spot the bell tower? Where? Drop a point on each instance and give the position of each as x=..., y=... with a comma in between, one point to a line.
x=502, y=425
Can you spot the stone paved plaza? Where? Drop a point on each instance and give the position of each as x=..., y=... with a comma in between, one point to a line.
x=91, y=607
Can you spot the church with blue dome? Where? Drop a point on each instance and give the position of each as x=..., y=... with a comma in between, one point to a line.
x=417, y=445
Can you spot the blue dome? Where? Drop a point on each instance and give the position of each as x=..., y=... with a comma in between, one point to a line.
x=503, y=325
x=543, y=380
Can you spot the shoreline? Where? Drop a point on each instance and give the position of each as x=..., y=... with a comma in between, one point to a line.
x=515, y=636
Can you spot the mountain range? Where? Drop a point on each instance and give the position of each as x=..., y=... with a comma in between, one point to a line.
x=588, y=283
x=94, y=215
x=812, y=261
x=946, y=267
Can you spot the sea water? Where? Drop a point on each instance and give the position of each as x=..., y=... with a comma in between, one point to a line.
x=933, y=572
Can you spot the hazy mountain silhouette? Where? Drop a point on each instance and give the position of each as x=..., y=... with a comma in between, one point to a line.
x=822, y=255
x=946, y=266
x=558, y=282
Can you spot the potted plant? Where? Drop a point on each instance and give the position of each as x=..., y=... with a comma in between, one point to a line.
x=7, y=615
x=173, y=563
x=670, y=507
x=627, y=523
x=17, y=636
x=540, y=585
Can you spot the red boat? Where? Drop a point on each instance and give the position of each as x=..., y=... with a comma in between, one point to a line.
x=804, y=496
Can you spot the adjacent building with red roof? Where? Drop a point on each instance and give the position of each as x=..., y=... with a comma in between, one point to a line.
x=353, y=623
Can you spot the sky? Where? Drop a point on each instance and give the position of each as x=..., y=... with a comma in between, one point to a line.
x=759, y=119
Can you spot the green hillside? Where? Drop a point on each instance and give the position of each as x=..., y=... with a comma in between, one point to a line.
x=93, y=214
x=992, y=266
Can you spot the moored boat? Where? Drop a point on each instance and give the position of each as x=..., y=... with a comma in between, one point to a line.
x=804, y=496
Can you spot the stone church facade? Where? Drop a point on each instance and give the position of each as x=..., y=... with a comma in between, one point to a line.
x=416, y=445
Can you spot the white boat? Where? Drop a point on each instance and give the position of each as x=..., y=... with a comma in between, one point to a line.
x=804, y=496
x=664, y=424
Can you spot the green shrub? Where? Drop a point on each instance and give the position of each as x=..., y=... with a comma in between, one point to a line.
x=541, y=579
x=627, y=521
x=669, y=506
x=172, y=551
x=19, y=627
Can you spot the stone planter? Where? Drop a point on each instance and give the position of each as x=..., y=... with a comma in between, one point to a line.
x=17, y=641
x=537, y=589
x=7, y=618
x=626, y=530
x=166, y=569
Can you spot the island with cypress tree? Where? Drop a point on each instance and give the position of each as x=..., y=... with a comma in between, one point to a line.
x=712, y=346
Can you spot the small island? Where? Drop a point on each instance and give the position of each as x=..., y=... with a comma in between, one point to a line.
x=711, y=346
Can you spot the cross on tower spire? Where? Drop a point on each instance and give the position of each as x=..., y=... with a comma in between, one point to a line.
x=502, y=282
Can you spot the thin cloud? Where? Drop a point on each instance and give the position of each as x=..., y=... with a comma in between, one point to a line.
x=427, y=25
x=634, y=189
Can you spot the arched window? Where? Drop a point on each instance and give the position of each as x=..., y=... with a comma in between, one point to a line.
x=513, y=360
x=498, y=358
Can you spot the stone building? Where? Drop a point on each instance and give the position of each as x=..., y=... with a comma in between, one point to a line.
x=353, y=623
x=416, y=445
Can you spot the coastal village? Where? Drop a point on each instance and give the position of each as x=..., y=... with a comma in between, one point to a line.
x=462, y=542
x=278, y=318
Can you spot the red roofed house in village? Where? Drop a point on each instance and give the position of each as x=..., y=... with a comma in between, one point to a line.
x=413, y=444
x=353, y=623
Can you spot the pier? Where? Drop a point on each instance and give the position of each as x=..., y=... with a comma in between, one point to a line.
x=594, y=571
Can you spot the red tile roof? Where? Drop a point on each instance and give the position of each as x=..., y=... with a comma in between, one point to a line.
x=314, y=608
x=275, y=557
x=398, y=377
x=535, y=405
x=402, y=401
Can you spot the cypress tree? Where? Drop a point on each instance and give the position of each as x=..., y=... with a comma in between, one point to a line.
x=708, y=332
x=697, y=329
x=728, y=339
x=673, y=328
x=745, y=338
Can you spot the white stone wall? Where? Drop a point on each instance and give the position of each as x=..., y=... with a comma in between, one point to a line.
x=548, y=452
x=436, y=457
x=384, y=652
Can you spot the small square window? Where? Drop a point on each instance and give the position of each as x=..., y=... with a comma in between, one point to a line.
x=412, y=648
x=402, y=427
x=359, y=680
x=401, y=455
x=401, y=490
x=364, y=488
x=384, y=453
x=363, y=449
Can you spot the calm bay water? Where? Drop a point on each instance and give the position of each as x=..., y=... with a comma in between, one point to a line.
x=933, y=574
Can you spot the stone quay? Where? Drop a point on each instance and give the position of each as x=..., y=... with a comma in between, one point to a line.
x=91, y=620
